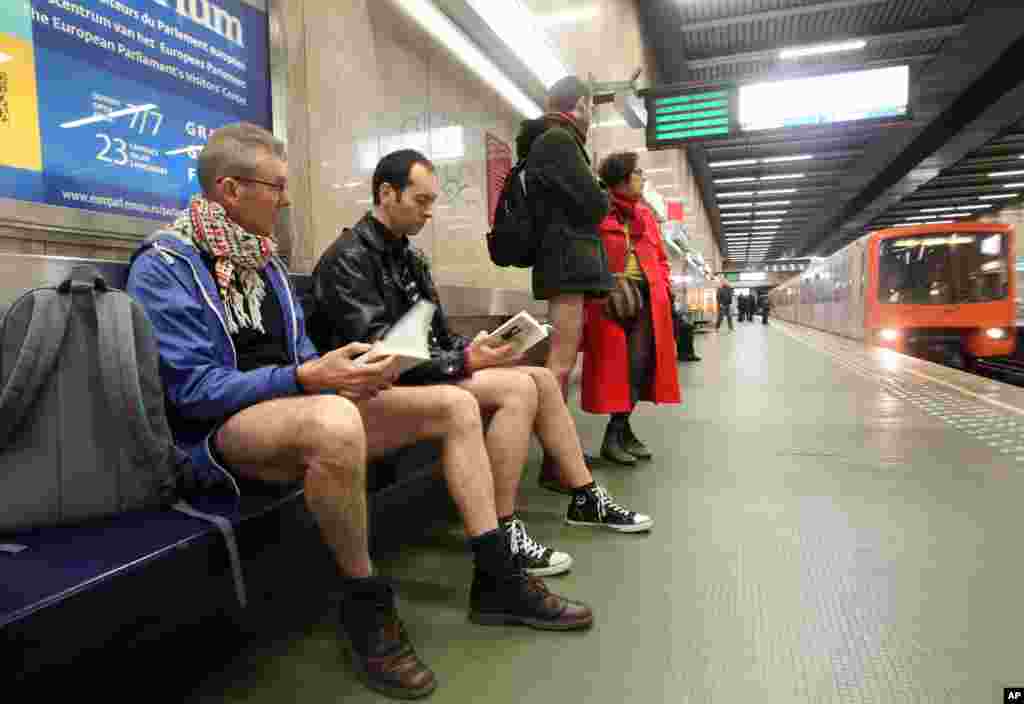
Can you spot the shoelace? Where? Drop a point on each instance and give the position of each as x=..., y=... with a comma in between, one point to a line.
x=606, y=505
x=522, y=543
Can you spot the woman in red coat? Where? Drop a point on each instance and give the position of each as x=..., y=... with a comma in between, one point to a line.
x=624, y=364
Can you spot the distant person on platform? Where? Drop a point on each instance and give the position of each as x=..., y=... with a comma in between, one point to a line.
x=724, y=296
x=766, y=307
x=628, y=361
x=568, y=204
x=685, y=351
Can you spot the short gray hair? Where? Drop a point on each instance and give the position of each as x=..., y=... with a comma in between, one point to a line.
x=235, y=150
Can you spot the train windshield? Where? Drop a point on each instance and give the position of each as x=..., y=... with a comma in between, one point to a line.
x=944, y=269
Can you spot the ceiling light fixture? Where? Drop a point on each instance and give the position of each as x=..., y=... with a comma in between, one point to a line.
x=738, y=179
x=736, y=205
x=734, y=162
x=774, y=202
x=1004, y=174
x=783, y=159
x=519, y=29
x=736, y=194
x=820, y=49
x=777, y=191
x=772, y=212
x=1004, y=196
x=782, y=177
x=427, y=16
x=1013, y=185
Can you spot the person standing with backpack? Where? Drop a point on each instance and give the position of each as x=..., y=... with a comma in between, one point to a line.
x=567, y=204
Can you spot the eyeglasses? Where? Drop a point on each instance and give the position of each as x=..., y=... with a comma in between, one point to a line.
x=279, y=187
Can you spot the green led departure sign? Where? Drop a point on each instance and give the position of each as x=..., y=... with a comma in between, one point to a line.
x=681, y=115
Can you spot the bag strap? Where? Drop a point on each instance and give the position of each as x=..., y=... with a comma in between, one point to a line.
x=119, y=366
x=228, y=531
x=36, y=359
x=629, y=247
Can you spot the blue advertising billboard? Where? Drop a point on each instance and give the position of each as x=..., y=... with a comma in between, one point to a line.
x=105, y=104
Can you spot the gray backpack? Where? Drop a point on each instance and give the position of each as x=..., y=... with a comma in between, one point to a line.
x=83, y=428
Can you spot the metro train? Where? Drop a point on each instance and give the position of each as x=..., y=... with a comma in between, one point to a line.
x=927, y=290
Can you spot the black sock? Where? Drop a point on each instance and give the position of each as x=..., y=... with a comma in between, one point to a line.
x=362, y=588
x=491, y=551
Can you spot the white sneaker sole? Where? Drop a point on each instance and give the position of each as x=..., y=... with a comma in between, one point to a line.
x=557, y=568
x=635, y=528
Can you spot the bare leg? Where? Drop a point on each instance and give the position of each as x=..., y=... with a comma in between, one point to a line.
x=566, y=314
x=556, y=430
x=320, y=440
x=510, y=397
x=403, y=415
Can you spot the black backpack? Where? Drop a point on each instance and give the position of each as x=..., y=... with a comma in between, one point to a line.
x=513, y=239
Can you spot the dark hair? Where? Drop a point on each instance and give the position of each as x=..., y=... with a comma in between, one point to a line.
x=235, y=150
x=565, y=93
x=395, y=169
x=617, y=168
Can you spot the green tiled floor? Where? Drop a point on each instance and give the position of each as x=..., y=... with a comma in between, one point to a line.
x=821, y=536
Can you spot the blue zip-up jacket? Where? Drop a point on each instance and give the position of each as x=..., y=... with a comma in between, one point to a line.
x=198, y=363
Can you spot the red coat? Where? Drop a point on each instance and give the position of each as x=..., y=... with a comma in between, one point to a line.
x=605, y=387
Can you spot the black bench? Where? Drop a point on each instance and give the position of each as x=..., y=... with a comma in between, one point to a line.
x=75, y=593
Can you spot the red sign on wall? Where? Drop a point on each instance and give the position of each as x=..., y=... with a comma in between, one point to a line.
x=499, y=163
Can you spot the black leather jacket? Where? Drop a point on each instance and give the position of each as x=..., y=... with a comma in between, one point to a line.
x=363, y=283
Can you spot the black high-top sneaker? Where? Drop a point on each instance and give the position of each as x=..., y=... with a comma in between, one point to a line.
x=503, y=594
x=538, y=560
x=594, y=506
x=382, y=655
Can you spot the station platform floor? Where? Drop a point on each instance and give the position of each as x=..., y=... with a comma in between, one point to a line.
x=833, y=524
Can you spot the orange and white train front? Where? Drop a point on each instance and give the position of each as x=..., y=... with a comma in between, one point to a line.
x=942, y=286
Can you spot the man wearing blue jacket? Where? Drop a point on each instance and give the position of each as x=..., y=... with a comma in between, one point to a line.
x=249, y=398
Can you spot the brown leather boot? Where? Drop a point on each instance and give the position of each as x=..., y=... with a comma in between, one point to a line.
x=514, y=598
x=382, y=655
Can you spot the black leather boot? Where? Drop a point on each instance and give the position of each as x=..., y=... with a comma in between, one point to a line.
x=632, y=444
x=612, y=449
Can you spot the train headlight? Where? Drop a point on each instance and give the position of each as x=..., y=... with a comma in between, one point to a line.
x=996, y=333
x=890, y=335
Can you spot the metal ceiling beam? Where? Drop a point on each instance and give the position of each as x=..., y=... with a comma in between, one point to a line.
x=967, y=96
x=777, y=14
x=921, y=35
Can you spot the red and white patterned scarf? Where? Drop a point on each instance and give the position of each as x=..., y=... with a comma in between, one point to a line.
x=239, y=257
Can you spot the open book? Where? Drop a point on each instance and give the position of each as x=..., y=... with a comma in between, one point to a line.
x=407, y=339
x=522, y=332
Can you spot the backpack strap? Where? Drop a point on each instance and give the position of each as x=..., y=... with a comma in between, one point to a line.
x=36, y=359
x=119, y=366
x=228, y=531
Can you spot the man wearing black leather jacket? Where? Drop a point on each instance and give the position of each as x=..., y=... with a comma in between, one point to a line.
x=371, y=275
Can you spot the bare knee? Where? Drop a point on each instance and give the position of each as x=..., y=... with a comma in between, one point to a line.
x=459, y=410
x=545, y=381
x=523, y=393
x=333, y=437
